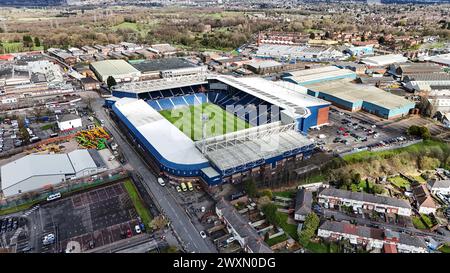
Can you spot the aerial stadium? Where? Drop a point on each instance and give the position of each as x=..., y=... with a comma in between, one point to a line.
x=216, y=128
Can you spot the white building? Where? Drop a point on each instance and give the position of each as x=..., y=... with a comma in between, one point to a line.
x=384, y=60
x=439, y=187
x=36, y=171
x=331, y=197
x=372, y=238
x=68, y=122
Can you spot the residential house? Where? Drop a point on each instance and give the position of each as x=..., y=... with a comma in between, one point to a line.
x=303, y=202
x=424, y=202
x=439, y=186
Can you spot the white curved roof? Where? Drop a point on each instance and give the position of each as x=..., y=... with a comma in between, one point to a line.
x=166, y=138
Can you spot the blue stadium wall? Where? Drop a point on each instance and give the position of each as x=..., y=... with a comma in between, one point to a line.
x=182, y=170
x=124, y=94
x=304, y=124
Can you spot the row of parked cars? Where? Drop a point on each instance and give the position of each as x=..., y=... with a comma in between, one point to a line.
x=8, y=224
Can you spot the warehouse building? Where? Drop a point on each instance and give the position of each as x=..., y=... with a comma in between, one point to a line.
x=264, y=67
x=36, y=171
x=354, y=97
x=293, y=52
x=427, y=81
x=120, y=70
x=68, y=122
x=403, y=70
x=320, y=74
x=168, y=68
x=384, y=60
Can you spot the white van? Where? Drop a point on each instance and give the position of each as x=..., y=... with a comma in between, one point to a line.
x=161, y=181
x=54, y=196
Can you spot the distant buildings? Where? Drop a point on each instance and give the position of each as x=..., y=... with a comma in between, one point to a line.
x=372, y=238
x=384, y=60
x=294, y=52
x=163, y=49
x=167, y=68
x=360, y=201
x=37, y=171
x=120, y=70
x=360, y=50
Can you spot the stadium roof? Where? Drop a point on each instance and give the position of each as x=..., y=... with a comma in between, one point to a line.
x=383, y=60
x=280, y=94
x=162, y=64
x=252, y=146
x=166, y=138
x=320, y=73
x=113, y=68
x=160, y=84
x=355, y=93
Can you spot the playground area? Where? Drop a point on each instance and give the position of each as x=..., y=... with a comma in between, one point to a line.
x=95, y=138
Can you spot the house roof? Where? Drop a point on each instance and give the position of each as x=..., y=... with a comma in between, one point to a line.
x=423, y=197
x=253, y=240
x=365, y=197
x=303, y=201
x=67, y=117
x=440, y=184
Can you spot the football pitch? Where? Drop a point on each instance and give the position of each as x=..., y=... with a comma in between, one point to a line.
x=218, y=121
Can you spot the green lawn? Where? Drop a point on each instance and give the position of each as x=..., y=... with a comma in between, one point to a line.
x=277, y=240
x=285, y=194
x=138, y=203
x=417, y=222
x=416, y=148
x=14, y=47
x=290, y=229
x=400, y=182
x=22, y=207
x=47, y=126
x=420, y=179
x=317, y=247
x=189, y=120
x=444, y=249
x=127, y=25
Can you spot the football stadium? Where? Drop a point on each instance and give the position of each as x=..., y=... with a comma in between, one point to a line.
x=218, y=129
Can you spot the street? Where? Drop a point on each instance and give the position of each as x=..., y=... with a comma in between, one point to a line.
x=180, y=222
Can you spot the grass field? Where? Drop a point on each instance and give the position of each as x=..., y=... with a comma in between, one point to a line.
x=138, y=203
x=399, y=182
x=189, y=120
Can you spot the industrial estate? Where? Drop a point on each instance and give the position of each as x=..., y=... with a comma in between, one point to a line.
x=229, y=128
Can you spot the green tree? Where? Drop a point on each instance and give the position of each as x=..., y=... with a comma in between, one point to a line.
x=27, y=41
x=111, y=82
x=312, y=36
x=309, y=228
x=272, y=216
x=267, y=193
x=37, y=42
x=428, y=163
x=250, y=188
x=381, y=40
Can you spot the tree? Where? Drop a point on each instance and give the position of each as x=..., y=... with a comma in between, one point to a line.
x=159, y=222
x=381, y=40
x=272, y=216
x=428, y=163
x=309, y=228
x=250, y=188
x=312, y=36
x=27, y=41
x=37, y=42
x=377, y=189
x=111, y=82
x=267, y=193
x=327, y=35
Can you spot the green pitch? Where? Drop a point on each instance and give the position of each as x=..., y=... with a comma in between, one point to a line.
x=189, y=120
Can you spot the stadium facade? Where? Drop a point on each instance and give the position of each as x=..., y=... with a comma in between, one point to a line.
x=279, y=113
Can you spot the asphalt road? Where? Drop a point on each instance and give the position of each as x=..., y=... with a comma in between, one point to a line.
x=180, y=221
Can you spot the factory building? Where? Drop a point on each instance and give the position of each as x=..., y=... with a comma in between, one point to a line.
x=168, y=68
x=320, y=74
x=384, y=60
x=354, y=97
x=36, y=171
x=120, y=70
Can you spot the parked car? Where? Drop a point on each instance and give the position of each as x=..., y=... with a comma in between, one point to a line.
x=129, y=233
x=178, y=188
x=203, y=234
x=183, y=186
x=137, y=229
x=189, y=185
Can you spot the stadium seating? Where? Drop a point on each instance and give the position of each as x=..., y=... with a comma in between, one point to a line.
x=166, y=93
x=166, y=104
x=178, y=101
x=155, y=105
x=190, y=99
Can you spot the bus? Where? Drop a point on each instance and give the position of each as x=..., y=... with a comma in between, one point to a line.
x=54, y=196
